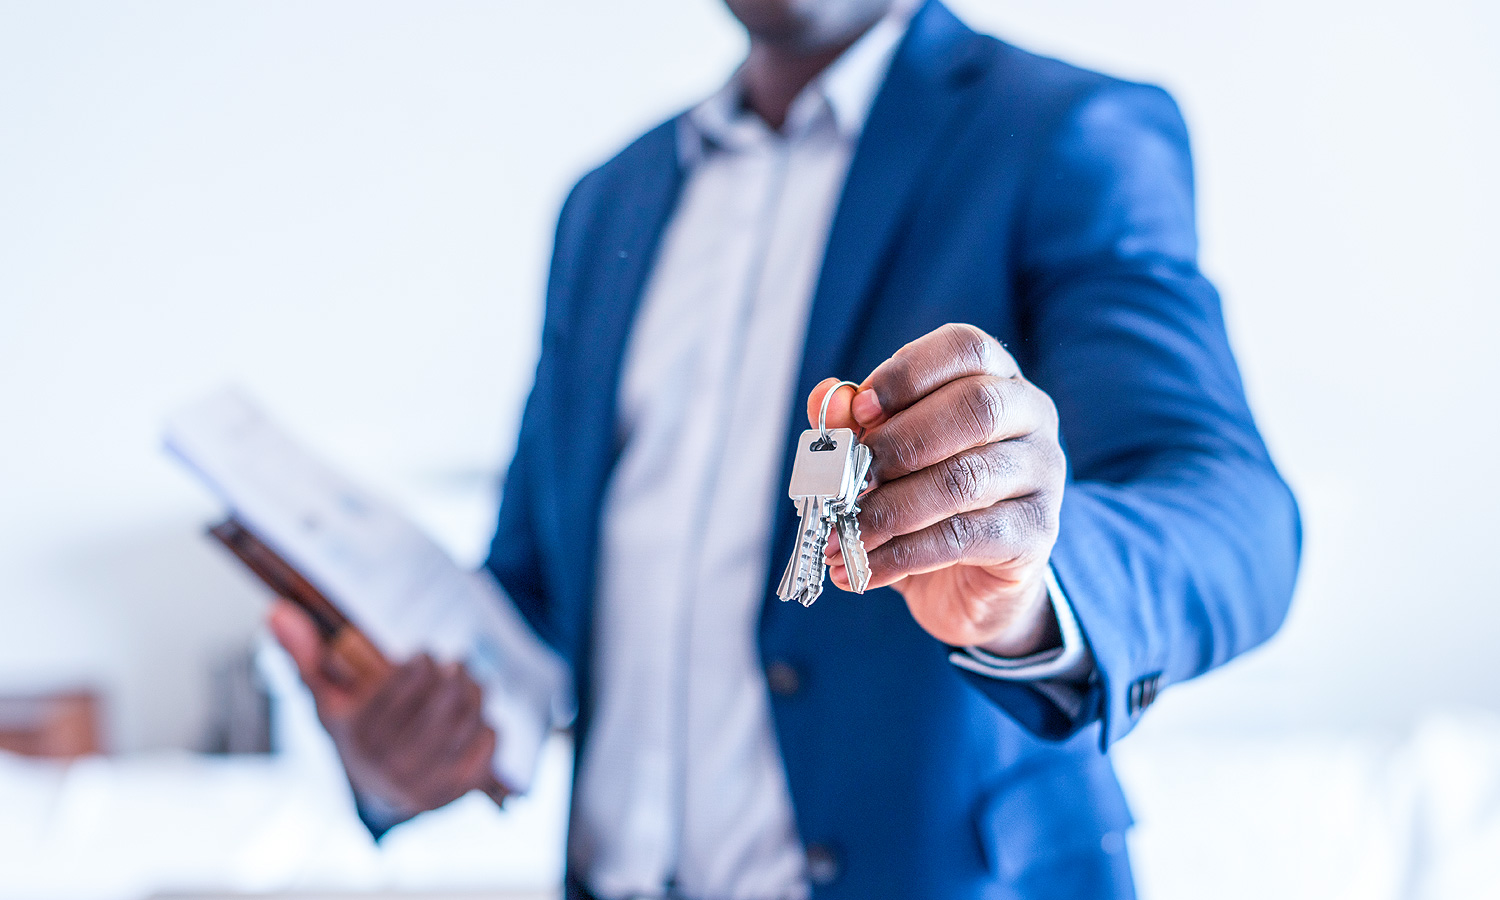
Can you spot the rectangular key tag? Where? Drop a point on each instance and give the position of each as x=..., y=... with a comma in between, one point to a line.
x=821, y=472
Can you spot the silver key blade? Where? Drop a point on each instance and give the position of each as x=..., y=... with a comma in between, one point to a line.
x=803, y=579
x=790, y=586
x=813, y=565
x=852, y=545
x=814, y=587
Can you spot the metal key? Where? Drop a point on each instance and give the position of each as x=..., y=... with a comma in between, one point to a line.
x=846, y=521
x=828, y=473
x=820, y=474
x=803, y=579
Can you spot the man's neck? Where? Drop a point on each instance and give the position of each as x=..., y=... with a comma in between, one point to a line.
x=775, y=74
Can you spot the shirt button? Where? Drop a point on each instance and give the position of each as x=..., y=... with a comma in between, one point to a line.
x=822, y=864
x=783, y=679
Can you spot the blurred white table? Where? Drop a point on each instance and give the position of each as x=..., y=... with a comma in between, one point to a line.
x=127, y=828
x=1231, y=818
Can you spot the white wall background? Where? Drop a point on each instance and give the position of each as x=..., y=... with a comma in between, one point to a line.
x=346, y=207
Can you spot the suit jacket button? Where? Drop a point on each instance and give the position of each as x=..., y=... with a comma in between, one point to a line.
x=783, y=679
x=822, y=864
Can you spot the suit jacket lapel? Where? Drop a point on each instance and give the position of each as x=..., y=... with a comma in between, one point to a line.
x=902, y=140
x=624, y=249
x=902, y=136
x=638, y=201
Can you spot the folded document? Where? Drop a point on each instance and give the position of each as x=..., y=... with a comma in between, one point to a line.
x=392, y=581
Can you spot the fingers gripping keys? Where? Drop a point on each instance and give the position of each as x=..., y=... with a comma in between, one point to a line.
x=828, y=474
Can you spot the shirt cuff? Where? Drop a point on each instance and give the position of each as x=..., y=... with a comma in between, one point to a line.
x=1070, y=663
x=527, y=688
x=378, y=816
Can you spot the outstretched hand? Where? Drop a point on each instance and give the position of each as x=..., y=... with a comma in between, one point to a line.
x=967, y=482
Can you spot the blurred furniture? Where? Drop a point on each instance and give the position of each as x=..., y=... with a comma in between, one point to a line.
x=60, y=725
x=239, y=707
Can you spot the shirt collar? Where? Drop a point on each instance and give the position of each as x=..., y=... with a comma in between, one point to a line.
x=847, y=88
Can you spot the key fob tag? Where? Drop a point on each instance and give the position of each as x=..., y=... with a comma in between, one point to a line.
x=819, y=470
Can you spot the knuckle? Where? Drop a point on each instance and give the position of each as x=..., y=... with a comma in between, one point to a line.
x=1027, y=523
x=1035, y=461
x=1059, y=459
x=1047, y=445
x=1049, y=410
x=970, y=344
x=1045, y=518
x=958, y=534
x=899, y=375
x=963, y=479
x=983, y=406
x=994, y=531
x=1004, y=464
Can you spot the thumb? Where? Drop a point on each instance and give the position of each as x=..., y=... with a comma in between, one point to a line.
x=295, y=631
x=840, y=414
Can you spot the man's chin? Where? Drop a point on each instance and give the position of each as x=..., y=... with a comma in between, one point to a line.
x=807, y=26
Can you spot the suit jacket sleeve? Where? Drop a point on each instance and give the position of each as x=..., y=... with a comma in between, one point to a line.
x=517, y=552
x=1178, y=541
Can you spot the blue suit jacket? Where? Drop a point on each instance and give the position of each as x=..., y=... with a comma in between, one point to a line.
x=1052, y=207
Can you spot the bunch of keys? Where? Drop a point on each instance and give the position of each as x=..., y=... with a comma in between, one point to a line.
x=828, y=474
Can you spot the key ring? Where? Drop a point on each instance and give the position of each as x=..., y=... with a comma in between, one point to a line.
x=823, y=413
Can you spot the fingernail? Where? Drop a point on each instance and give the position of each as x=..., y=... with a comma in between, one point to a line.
x=866, y=406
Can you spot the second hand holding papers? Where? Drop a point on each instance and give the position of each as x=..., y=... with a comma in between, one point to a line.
x=388, y=576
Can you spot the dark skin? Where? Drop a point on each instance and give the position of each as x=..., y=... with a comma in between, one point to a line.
x=966, y=487
x=792, y=41
x=417, y=741
x=968, y=479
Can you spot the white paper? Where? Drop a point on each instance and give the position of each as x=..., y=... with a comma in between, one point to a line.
x=390, y=578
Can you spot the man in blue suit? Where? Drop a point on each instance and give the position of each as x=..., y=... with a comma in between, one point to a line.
x=1071, y=506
